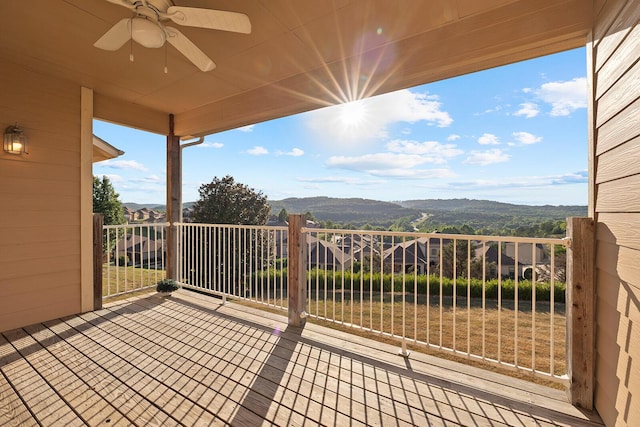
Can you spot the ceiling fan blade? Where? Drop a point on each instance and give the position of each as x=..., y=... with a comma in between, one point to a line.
x=116, y=37
x=124, y=3
x=208, y=18
x=188, y=49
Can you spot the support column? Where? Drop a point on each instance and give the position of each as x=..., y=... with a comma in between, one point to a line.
x=297, y=271
x=174, y=199
x=86, y=199
x=98, y=257
x=581, y=311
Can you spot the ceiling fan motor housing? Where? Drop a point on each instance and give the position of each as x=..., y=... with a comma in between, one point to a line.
x=147, y=33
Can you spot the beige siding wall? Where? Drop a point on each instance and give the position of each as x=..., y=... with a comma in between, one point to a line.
x=39, y=200
x=615, y=72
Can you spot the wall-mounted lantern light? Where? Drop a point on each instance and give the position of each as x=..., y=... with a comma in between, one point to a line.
x=15, y=141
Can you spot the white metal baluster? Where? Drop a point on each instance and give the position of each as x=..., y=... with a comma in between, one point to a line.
x=108, y=246
x=223, y=257
x=454, y=290
x=209, y=257
x=381, y=282
x=415, y=289
x=440, y=296
x=499, y=301
x=428, y=335
x=533, y=307
x=469, y=299
x=393, y=281
x=362, y=243
x=515, y=310
x=484, y=294
x=351, y=280
x=371, y=282
x=403, y=351
x=552, y=301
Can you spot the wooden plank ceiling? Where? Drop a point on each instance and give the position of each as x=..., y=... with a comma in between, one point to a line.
x=300, y=55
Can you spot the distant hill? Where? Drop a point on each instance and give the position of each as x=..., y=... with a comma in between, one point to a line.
x=493, y=217
x=483, y=216
x=489, y=207
x=354, y=210
x=154, y=206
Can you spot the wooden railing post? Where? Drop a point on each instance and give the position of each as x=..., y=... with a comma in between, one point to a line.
x=297, y=271
x=174, y=200
x=581, y=311
x=98, y=256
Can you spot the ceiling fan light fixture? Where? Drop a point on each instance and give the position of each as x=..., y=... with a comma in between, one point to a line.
x=147, y=33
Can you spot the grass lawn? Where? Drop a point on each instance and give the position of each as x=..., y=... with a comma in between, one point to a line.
x=460, y=328
x=116, y=280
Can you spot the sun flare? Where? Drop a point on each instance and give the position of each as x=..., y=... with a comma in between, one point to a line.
x=353, y=114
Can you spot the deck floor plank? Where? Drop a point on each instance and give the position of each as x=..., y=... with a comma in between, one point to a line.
x=13, y=411
x=44, y=402
x=59, y=374
x=134, y=406
x=188, y=360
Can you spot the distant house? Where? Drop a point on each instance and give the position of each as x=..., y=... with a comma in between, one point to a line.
x=415, y=254
x=140, y=249
x=326, y=255
x=129, y=214
x=526, y=251
x=508, y=265
x=142, y=214
x=410, y=254
x=187, y=213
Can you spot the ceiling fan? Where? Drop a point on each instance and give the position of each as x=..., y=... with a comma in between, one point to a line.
x=147, y=27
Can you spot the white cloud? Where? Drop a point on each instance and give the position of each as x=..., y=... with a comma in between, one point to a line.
x=340, y=180
x=402, y=173
x=453, y=137
x=488, y=139
x=393, y=165
x=112, y=177
x=151, y=179
x=124, y=164
x=484, y=158
x=431, y=151
x=257, y=151
x=564, y=97
x=528, y=110
x=376, y=161
x=211, y=145
x=295, y=152
x=248, y=128
x=526, y=138
x=580, y=177
x=370, y=118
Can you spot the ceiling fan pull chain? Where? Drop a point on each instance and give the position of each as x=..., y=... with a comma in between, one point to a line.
x=166, y=70
x=131, y=40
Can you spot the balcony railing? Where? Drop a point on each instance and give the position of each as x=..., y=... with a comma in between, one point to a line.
x=134, y=257
x=496, y=299
x=242, y=262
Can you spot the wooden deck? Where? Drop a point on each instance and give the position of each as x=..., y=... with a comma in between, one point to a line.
x=187, y=360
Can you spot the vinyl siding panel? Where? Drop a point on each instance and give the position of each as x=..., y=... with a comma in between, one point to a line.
x=617, y=383
x=39, y=200
x=616, y=149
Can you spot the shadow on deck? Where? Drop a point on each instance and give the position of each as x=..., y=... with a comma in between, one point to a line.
x=187, y=360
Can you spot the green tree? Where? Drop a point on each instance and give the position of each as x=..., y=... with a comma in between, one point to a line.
x=227, y=202
x=283, y=216
x=224, y=201
x=106, y=201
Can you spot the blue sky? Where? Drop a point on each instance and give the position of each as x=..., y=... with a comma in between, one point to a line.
x=515, y=134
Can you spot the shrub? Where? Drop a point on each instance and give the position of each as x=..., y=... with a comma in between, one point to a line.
x=376, y=282
x=167, y=285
